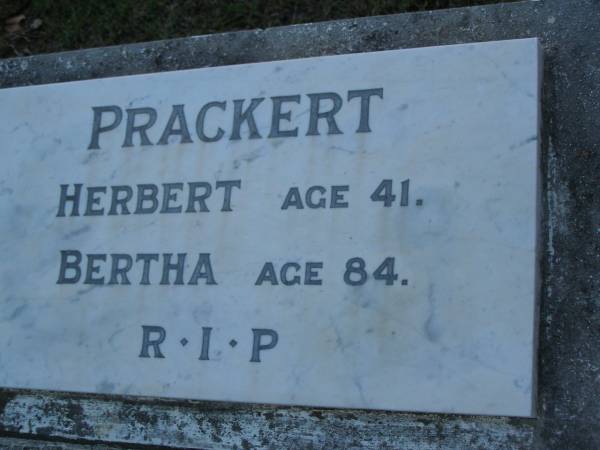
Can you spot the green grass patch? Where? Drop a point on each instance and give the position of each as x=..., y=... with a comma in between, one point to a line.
x=74, y=24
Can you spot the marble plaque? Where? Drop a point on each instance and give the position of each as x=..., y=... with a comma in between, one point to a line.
x=352, y=231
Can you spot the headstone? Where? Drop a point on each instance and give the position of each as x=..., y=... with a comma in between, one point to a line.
x=348, y=231
x=352, y=231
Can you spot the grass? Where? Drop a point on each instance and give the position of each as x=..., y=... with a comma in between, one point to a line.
x=74, y=24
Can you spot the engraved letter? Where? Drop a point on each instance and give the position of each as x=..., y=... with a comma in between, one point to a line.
x=200, y=199
x=92, y=200
x=203, y=270
x=122, y=202
x=154, y=343
x=92, y=269
x=200, y=122
x=97, y=127
x=117, y=271
x=228, y=185
x=240, y=117
x=278, y=116
x=141, y=129
x=365, y=101
x=267, y=274
x=176, y=114
x=205, y=343
x=64, y=197
x=309, y=197
x=316, y=113
x=283, y=274
x=146, y=258
x=65, y=265
x=169, y=196
x=337, y=198
x=168, y=266
x=293, y=199
x=257, y=346
x=143, y=195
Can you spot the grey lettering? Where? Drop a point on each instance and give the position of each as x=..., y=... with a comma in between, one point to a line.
x=141, y=129
x=278, y=116
x=154, y=343
x=239, y=117
x=316, y=114
x=177, y=114
x=365, y=102
x=258, y=346
x=200, y=122
x=64, y=198
x=65, y=265
x=97, y=126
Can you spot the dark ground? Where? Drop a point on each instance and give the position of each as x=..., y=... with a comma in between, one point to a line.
x=42, y=26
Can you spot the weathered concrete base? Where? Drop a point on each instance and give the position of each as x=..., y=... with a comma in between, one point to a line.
x=569, y=355
x=206, y=425
x=28, y=444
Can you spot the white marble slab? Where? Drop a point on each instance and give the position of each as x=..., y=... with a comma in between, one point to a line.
x=455, y=332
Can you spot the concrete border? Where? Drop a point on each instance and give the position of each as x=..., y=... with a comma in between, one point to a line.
x=569, y=342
